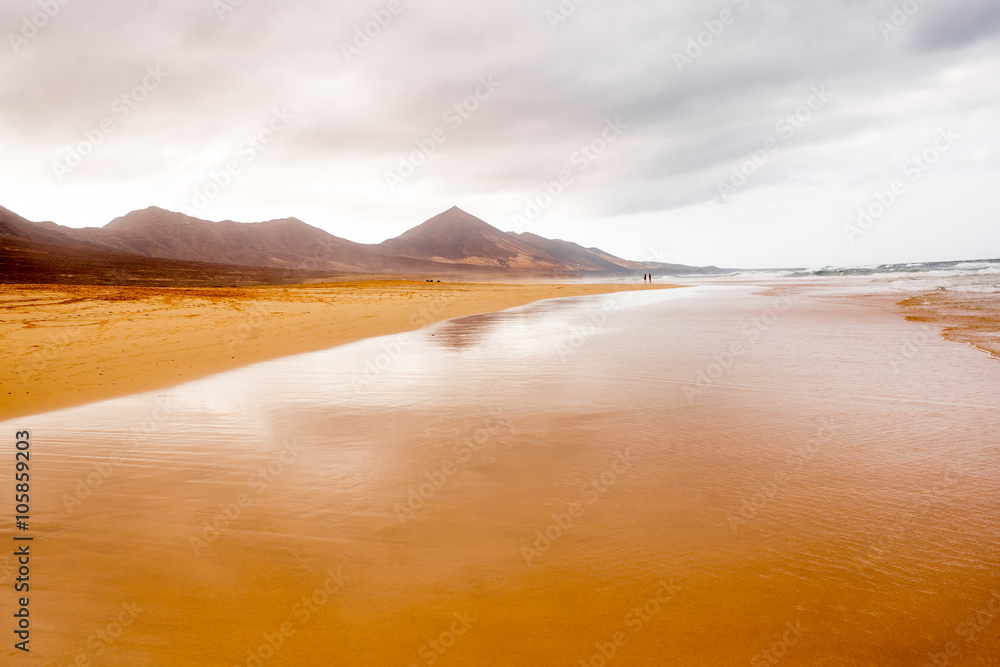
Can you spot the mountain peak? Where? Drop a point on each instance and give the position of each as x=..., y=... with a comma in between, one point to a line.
x=456, y=236
x=454, y=223
x=451, y=241
x=144, y=218
x=457, y=215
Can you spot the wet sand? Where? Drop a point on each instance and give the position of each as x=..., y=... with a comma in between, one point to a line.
x=689, y=477
x=972, y=318
x=69, y=345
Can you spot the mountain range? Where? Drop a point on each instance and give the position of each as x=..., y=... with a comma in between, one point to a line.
x=157, y=245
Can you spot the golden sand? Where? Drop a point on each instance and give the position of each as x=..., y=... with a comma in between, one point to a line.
x=816, y=502
x=69, y=345
x=971, y=318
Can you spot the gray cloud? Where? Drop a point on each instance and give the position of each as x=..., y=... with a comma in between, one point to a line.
x=958, y=24
x=355, y=120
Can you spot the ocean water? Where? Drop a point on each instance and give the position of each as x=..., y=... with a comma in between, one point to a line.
x=714, y=475
x=960, y=277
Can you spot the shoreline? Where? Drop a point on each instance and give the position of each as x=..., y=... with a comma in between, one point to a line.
x=68, y=345
x=434, y=492
x=969, y=318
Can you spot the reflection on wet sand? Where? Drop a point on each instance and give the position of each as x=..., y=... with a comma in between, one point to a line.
x=531, y=488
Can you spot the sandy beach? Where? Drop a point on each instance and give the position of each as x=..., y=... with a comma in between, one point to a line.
x=565, y=334
x=700, y=476
x=971, y=318
x=69, y=345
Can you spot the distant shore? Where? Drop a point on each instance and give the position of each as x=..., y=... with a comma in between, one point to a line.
x=67, y=345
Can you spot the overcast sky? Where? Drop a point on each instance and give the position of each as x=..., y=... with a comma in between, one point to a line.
x=738, y=133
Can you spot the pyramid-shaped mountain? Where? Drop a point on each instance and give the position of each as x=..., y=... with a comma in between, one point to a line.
x=458, y=237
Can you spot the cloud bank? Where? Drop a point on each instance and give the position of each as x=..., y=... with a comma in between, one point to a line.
x=745, y=132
